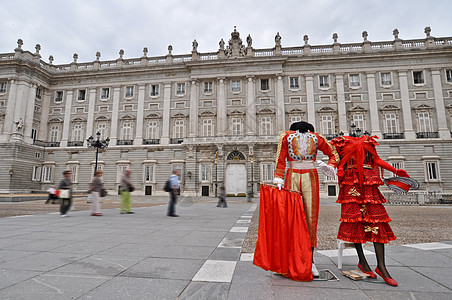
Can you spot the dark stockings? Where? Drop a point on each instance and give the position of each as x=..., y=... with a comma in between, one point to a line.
x=380, y=254
x=312, y=248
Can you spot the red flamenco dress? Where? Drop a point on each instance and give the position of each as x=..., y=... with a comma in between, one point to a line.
x=363, y=216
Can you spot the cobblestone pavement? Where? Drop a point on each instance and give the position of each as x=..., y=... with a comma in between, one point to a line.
x=411, y=224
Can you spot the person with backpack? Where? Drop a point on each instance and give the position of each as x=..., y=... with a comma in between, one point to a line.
x=172, y=186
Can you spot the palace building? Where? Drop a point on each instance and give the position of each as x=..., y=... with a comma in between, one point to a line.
x=217, y=116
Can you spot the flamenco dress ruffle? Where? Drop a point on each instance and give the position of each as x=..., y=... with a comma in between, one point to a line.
x=363, y=216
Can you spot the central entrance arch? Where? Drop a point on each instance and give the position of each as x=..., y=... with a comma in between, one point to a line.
x=236, y=179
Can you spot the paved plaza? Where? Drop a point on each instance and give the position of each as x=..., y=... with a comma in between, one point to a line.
x=198, y=255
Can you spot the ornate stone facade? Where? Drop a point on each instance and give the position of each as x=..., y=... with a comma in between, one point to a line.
x=217, y=116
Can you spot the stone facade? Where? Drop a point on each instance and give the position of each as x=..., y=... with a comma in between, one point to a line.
x=217, y=116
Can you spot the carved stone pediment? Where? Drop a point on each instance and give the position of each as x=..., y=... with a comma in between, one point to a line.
x=153, y=116
x=358, y=109
x=423, y=107
x=389, y=107
x=235, y=46
x=266, y=111
x=328, y=110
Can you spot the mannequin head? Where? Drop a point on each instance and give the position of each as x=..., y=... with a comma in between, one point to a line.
x=302, y=127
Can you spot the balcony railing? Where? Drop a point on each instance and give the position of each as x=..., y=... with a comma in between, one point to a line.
x=176, y=141
x=46, y=144
x=331, y=136
x=124, y=142
x=151, y=141
x=75, y=143
x=393, y=136
x=427, y=135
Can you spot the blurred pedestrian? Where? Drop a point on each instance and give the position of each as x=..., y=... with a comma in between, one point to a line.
x=65, y=188
x=95, y=190
x=249, y=193
x=222, y=197
x=51, y=197
x=126, y=188
x=174, y=192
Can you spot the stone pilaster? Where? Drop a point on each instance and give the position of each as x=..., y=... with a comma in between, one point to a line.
x=29, y=112
x=221, y=108
x=193, y=119
x=406, y=107
x=166, y=114
x=10, y=107
x=90, y=119
x=373, y=107
x=115, y=116
x=310, y=100
x=67, y=118
x=341, y=109
x=45, y=111
x=250, y=107
x=140, y=115
x=280, y=108
x=439, y=105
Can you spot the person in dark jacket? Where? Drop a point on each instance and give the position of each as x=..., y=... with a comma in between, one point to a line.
x=66, y=197
x=95, y=189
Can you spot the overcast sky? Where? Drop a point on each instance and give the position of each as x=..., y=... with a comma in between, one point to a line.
x=65, y=27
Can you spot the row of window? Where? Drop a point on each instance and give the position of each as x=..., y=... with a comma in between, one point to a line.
x=45, y=174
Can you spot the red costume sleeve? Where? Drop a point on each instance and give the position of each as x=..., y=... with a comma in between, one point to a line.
x=328, y=150
x=281, y=155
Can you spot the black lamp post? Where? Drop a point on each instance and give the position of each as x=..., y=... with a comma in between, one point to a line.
x=98, y=144
x=252, y=173
x=216, y=172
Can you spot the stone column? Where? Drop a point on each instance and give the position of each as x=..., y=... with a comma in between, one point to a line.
x=341, y=108
x=90, y=119
x=373, y=107
x=251, y=120
x=45, y=111
x=67, y=118
x=10, y=107
x=310, y=100
x=406, y=107
x=193, y=118
x=439, y=105
x=140, y=115
x=280, y=108
x=115, y=116
x=29, y=113
x=166, y=114
x=221, y=108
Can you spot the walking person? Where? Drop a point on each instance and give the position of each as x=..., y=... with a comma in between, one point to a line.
x=174, y=192
x=65, y=188
x=126, y=188
x=95, y=191
x=222, y=198
x=51, y=198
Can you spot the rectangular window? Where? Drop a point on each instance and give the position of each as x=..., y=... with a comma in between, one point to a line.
x=398, y=164
x=121, y=169
x=77, y=132
x=207, y=127
x=54, y=133
x=327, y=125
x=236, y=126
x=35, y=173
x=126, y=131
x=102, y=128
x=2, y=87
x=208, y=87
x=354, y=80
x=74, y=170
x=105, y=93
x=179, y=126
x=59, y=96
x=148, y=173
x=424, y=121
x=235, y=86
x=205, y=173
x=153, y=130
x=358, y=120
x=34, y=134
x=38, y=93
x=266, y=126
x=265, y=85
x=293, y=83
x=129, y=91
x=432, y=170
x=294, y=119
x=47, y=174
x=268, y=170
x=418, y=77
x=449, y=76
x=154, y=90
x=81, y=95
x=386, y=79
x=391, y=123
x=324, y=81
x=180, y=89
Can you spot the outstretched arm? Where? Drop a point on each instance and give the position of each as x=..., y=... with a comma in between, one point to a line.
x=399, y=172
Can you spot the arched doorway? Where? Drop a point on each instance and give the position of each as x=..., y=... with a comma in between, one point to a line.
x=236, y=179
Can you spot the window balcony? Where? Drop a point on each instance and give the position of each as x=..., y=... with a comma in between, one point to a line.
x=46, y=144
x=124, y=142
x=427, y=135
x=75, y=143
x=176, y=141
x=393, y=136
x=331, y=136
x=151, y=141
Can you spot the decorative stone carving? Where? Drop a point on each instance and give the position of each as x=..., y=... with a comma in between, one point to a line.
x=277, y=40
x=19, y=126
x=20, y=43
x=235, y=47
x=75, y=57
x=38, y=48
x=145, y=51
x=97, y=55
x=335, y=37
x=365, y=35
x=221, y=44
x=306, y=39
x=427, y=31
x=121, y=53
x=395, y=33
x=195, y=46
x=249, y=40
x=51, y=59
x=170, y=50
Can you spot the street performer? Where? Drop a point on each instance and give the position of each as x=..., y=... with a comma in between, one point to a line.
x=299, y=147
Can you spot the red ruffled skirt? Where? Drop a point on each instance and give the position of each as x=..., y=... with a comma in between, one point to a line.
x=363, y=216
